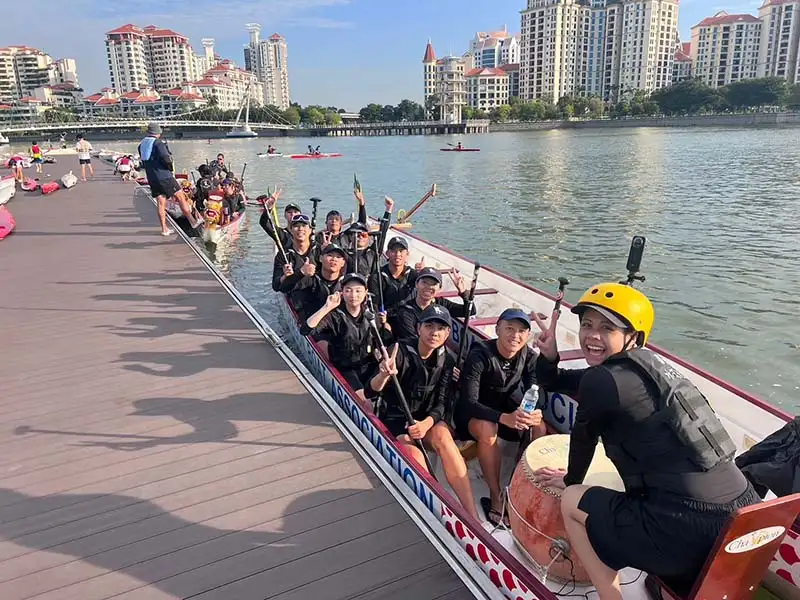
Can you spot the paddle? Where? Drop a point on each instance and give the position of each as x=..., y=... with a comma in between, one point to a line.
x=635, y=260
x=400, y=395
x=273, y=215
x=314, y=201
x=377, y=269
x=462, y=343
x=241, y=179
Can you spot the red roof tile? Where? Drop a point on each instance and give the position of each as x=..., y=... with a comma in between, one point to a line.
x=5, y=107
x=430, y=56
x=145, y=99
x=131, y=95
x=154, y=31
x=276, y=36
x=681, y=56
x=486, y=72
x=129, y=28
x=776, y=2
x=686, y=48
x=188, y=96
x=93, y=97
x=174, y=92
x=106, y=101
x=29, y=99
x=723, y=18
x=510, y=68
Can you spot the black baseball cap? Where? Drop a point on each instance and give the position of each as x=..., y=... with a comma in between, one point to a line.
x=436, y=312
x=398, y=241
x=334, y=248
x=515, y=314
x=354, y=277
x=333, y=213
x=292, y=206
x=430, y=272
x=301, y=218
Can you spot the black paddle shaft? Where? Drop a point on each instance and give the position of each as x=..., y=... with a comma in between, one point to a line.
x=462, y=343
x=377, y=268
x=400, y=395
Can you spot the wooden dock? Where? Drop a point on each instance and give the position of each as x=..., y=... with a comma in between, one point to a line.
x=154, y=446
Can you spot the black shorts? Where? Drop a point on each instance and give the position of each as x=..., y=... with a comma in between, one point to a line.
x=356, y=377
x=85, y=161
x=164, y=187
x=503, y=432
x=662, y=535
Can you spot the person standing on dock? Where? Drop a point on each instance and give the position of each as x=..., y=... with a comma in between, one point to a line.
x=158, y=166
x=84, y=149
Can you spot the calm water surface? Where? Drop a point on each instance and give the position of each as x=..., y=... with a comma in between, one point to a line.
x=719, y=208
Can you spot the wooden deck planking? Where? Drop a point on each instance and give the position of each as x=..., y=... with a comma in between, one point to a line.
x=153, y=445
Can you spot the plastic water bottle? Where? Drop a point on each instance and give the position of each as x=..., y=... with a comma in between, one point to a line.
x=530, y=399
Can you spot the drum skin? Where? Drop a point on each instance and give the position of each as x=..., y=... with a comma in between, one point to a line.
x=541, y=507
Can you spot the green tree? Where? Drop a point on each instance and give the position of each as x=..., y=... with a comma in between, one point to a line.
x=752, y=93
x=688, y=97
x=292, y=115
x=371, y=113
x=332, y=118
x=409, y=110
x=314, y=115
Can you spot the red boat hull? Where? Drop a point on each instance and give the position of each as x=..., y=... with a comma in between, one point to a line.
x=334, y=155
x=460, y=150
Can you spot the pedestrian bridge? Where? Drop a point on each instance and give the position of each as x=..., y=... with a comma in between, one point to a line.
x=31, y=127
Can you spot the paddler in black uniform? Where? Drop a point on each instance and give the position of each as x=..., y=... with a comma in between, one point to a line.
x=670, y=449
x=205, y=185
x=349, y=336
x=310, y=293
x=301, y=254
x=289, y=213
x=397, y=277
x=219, y=170
x=234, y=200
x=496, y=375
x=424, y=369
x=332, y=231
x=427, y=284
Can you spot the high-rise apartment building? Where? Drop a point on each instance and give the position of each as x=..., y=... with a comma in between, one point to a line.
x=267, y=60
x=149, y=57
x=490, y=50
x=602, y=47
x=780, y=40
x=725, y=48
x=23, y=70
x=444, y=80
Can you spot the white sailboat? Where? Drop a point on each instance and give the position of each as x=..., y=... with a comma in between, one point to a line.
x=243, y=131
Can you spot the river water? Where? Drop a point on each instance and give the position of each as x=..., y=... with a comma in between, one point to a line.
x=719, y=208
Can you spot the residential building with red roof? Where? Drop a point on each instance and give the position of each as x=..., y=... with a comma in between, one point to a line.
x=487, y=88
x=145, y=103
x=494, y=48
x=682, y=66
x=725, y=48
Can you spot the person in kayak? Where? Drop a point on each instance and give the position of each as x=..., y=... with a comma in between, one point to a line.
x=270, y=149
x=158, y=166
x=459, y=146
x=667, y=444
x=284, y=234
x=332, y=231
x=397, y=278
x=426, y=285
x=349, y=335
x=36, y=156
x=424, y=369
x=234, y=202
x=302, y=257
x=494, y=379
x=311, y=291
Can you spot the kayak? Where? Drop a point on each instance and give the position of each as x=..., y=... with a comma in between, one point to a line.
x=332, y=155
x=460, y=149
x=495, y=556
x=267, y=155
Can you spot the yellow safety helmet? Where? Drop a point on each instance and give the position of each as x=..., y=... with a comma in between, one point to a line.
x=621, y=304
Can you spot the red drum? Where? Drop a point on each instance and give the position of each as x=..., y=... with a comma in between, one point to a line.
x=535, y=511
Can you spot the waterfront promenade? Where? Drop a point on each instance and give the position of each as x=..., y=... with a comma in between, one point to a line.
x=153, y=445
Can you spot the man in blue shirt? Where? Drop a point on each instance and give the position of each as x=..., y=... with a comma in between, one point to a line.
x=158, y=165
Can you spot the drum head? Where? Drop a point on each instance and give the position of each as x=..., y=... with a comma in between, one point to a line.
x=553, y=451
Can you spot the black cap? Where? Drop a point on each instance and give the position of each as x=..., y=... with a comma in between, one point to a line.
x=398, y=241
x=292, y=206
x=301, y=218
x=436, y=312
x=512, y=314
x=358, y=227
x=354, y=277
x=333, y=213
x=430, y=272
x=334, y=248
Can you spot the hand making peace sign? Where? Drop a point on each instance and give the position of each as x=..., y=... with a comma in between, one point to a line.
x=546, y=340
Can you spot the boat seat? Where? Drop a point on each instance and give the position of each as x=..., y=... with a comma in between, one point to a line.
x=454, y=293
x=574, y=354
x=481, y=322
x=741, y=555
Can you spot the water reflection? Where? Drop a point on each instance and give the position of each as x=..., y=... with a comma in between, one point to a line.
x=718, y=206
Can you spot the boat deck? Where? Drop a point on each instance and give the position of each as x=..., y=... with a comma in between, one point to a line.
x=154, y=446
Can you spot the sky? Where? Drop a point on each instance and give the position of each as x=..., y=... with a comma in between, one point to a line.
x=344, y=53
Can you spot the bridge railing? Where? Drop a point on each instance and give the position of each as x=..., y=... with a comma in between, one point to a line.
x=377, y=124
x=126, y=123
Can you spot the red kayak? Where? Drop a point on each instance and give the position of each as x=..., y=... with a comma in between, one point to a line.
x=333, y=155
x=460, y=149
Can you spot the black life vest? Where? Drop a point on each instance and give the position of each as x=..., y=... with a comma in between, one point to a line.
x=354, y=348
x=499, y=384
x=419, y=392
x=683, y=419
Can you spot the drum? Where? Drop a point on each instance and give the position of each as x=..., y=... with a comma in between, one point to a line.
x=535, y=512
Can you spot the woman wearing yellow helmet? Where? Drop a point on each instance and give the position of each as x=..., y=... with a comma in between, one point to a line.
x=668, y=446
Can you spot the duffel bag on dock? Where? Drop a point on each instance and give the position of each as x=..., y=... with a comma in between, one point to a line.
x=50, y=187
